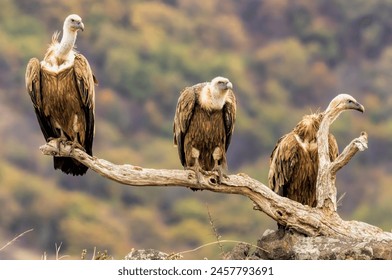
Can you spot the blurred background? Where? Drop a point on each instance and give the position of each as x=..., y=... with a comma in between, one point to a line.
x=284, y=58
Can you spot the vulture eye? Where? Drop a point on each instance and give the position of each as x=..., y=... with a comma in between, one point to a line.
x=72, y=20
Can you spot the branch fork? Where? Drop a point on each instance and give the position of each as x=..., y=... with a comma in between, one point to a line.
x=326, y=177
x=301, y=218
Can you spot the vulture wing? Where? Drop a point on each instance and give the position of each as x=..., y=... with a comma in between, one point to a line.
x=33, y=87
x=293, y=169
x=184, y=112
x=85, y=81
x=229, y=116
x=284, y=163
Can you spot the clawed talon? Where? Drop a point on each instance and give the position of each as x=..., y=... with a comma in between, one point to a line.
x=196, y=166
x=216, y=175
x=217, y=156
x=218, y=170
x=58, y=141
x=198, y=172
x=75, y=144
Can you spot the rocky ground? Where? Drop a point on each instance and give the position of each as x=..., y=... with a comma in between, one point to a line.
x=278, y=245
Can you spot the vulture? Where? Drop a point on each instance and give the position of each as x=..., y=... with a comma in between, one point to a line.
x=294, y=160
x=61, y=88
x=203, y=126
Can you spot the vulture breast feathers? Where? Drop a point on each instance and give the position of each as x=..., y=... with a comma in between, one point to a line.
x=294, y=160
x=61, y=88
x=203, y=125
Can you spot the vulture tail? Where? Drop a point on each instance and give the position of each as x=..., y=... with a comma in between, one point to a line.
x=69, y=166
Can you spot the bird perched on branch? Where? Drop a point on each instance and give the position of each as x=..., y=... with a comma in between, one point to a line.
x=203, y=125
x=294, y=160
x=61, y=88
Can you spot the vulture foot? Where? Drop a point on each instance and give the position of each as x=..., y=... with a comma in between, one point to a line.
x=217, y=156
x=58, y=141
x=196, y=167
x=199, y=172
x=219, y=169
x=75, y=144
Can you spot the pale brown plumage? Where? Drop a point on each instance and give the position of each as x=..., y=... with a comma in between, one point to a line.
x=61, y=88
x=294, y=160
x=203, y=125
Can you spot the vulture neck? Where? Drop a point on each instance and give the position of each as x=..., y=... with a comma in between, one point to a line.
x=209, y=101
x=67, y=44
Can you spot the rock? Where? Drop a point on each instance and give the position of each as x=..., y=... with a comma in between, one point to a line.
x=240, y=252
x=280, y=245
x=146, y=254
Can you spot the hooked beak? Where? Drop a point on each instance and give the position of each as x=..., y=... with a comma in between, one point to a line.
x=81, y=26
x=357, y=106
x=229, y=85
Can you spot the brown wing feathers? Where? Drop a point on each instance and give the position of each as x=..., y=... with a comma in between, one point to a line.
x=85, y=81
x=294, y=161
x=183, y=116
x=229, y=112
x=33, y=86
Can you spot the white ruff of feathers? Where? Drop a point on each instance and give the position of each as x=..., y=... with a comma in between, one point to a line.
x=211, y=98
x=61, y=55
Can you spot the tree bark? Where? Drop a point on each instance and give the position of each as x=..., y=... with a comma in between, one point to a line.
x=299, y=218
x=326, y=177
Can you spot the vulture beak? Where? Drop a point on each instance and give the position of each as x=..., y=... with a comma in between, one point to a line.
x=356, y=106
x=81, y=26
x=229, y=85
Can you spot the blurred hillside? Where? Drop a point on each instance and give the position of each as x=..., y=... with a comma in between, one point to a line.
x=284, y=58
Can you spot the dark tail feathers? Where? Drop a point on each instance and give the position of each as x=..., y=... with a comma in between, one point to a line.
x=69, y=166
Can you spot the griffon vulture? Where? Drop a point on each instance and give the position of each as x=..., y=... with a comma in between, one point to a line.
x=294, y=160
x=203, y=125
x=61, y=88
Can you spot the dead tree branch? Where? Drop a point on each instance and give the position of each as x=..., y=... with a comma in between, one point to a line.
x=326, y=177
x=301, y=218
x=358, y=144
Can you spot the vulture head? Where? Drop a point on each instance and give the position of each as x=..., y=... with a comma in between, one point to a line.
x=213, y=95
x=73, y=23
x=219, y=87
x=341, y=103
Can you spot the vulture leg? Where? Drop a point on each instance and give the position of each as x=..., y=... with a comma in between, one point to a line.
x=196, y=166
x=61, y=139
x=217, y=155
x=75, y=143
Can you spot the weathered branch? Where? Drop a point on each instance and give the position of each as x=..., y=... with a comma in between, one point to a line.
x=358, y=144
x=301, y=218
x=326, y=177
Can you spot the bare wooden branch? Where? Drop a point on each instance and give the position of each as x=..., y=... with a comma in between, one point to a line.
x=301, y=218
x=326, y=177
x=325, y=188
x=358, y=144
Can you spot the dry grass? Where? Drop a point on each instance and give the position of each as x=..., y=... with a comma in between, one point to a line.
x=15, y=238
